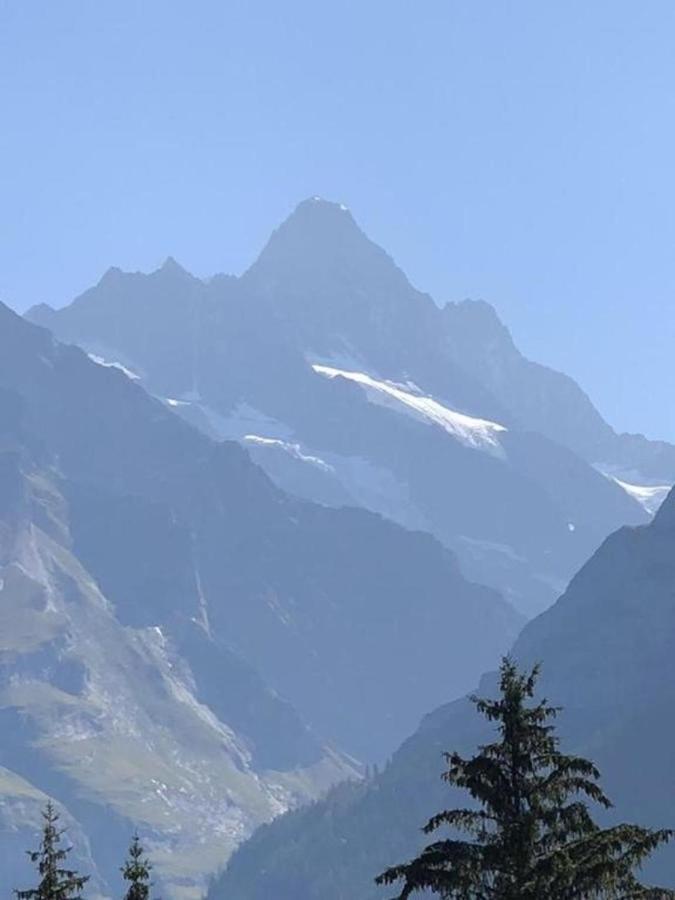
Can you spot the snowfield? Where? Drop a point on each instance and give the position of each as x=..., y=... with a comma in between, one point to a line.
x=479, y=434
x=649, y=496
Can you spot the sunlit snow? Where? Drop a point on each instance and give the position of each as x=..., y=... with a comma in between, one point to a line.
x=648, y=496
x=292, y=449
x=480, y=434
x=113, y=365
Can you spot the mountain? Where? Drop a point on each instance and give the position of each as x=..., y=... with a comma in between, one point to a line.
x=177, y=631
x=153, y=726
x=550, y=402
x=608, y=653
x=350, y=387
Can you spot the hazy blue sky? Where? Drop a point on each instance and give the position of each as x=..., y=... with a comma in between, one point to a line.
x=522, y=152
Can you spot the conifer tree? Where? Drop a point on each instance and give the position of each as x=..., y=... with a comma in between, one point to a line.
x=136, y=871
x=530, y=832
x=56, y=881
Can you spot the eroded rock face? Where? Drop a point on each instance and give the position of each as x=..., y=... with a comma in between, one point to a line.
x=177, y=631
x=110, y=719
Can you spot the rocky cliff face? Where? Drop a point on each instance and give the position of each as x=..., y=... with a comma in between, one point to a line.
x=158, y=727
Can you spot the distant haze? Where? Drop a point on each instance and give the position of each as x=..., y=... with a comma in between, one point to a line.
x=521, y=153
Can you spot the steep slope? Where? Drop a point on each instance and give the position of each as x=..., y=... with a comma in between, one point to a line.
x=126, y=727
x=608, y=652
x=547, y=401
x=348, y=386
x=322, y=602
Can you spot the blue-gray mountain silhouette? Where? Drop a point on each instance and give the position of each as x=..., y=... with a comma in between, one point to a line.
x=607, y=648
x=349, y=386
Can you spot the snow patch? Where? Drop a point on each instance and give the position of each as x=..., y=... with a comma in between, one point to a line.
x=479, y=434
x=108, y=364
x=292, y=449
x=650, y=497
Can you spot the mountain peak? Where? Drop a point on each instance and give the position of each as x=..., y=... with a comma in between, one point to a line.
x=320, y=218
x=41, y=314
x=322, y=206
x=170, y=266
x=173, y=272
x=111, y=275
x=321, y=236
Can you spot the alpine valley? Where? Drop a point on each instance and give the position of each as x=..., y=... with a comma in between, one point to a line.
x=253, y=528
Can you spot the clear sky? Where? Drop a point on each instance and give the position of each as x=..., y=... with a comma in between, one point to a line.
x=521, y=151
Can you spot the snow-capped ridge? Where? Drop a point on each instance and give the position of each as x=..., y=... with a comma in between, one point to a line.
x=479, y=434
x=292, y=449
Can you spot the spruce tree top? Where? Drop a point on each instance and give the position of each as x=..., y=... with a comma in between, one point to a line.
x=136, y=871
x=531, y=834
x=56, y=881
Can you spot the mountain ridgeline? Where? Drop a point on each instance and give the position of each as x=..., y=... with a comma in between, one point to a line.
x=350, y=387
x=186, y=650
x=253, y=528
x=607, y=649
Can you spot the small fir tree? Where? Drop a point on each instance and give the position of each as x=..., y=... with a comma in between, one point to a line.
x=136, y=870
x=532, y=835
x=56, y=881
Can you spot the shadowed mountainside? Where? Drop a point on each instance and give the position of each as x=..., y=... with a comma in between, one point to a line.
x=608, y=650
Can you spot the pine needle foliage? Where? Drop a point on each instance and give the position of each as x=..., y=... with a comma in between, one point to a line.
x=530, y=832
x=136, y=870
x=57, y=882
